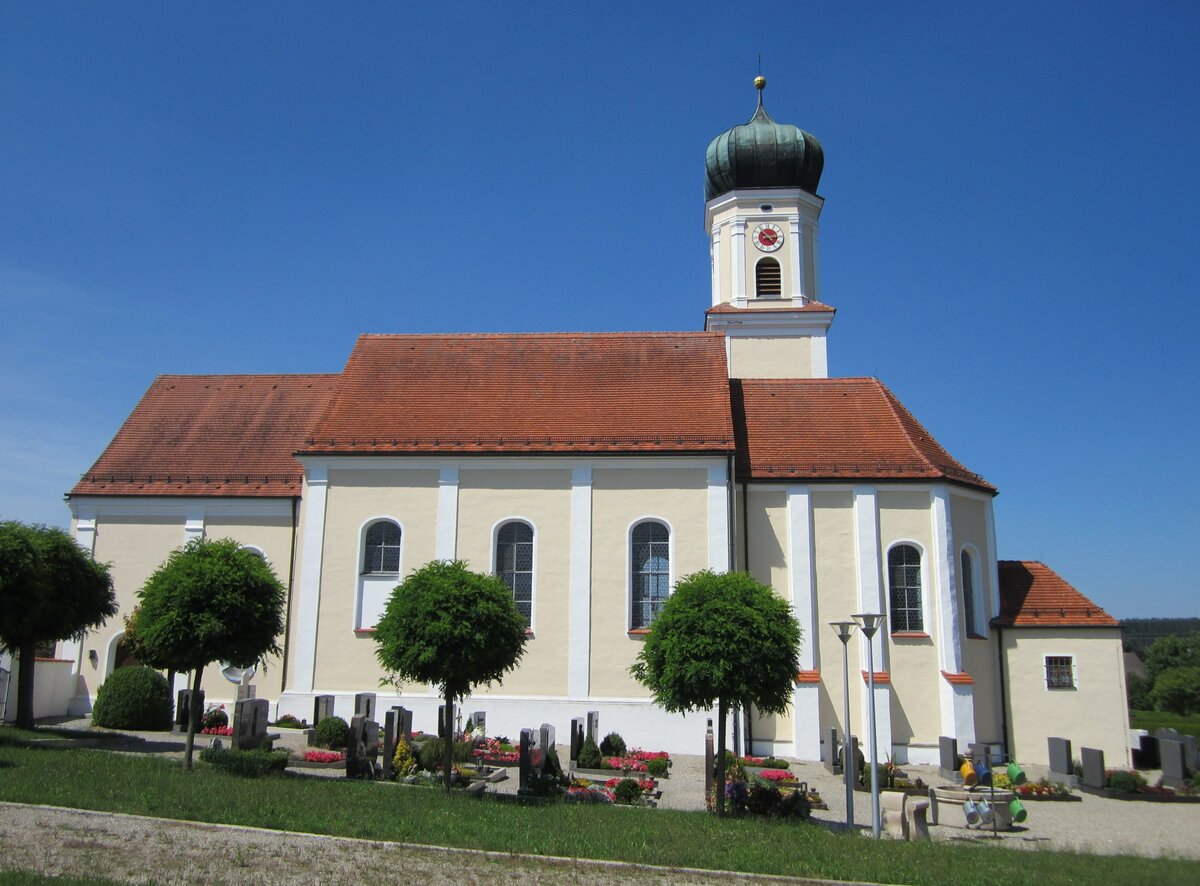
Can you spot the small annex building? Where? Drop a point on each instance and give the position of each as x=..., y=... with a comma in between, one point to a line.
x=591, y=472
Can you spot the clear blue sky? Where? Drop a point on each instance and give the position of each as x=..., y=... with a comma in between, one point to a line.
x=1010, y=234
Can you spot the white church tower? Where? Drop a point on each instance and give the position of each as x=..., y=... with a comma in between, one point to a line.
x=762, y=216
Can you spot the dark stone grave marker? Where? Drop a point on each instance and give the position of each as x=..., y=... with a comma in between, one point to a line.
x=947, y=755
x=576, y=737
x=593, y=726
x=364, y=705
x=526, y=771
x=1174, y=763
x=322, y=708
x=833, y=756
x=245, y=691
x=403, y=722
x=441, y=727
x=1093, y=768
x=710, y=760
x=362, y=750
x=249, y=723
x=181, y=709
x=1145, y=755
x=389, y=741
x=1061, y=762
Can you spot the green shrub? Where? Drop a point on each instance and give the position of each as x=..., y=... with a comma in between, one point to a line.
x=657, y=767
x=612, y=745
x=763, y=800
x=432, y=754
x=627, y=792
x=133, y=698
x=332, y=733
x=287, y=721
x=775, y=763
x=1177, y=690
x=795, y=804
x=249, y=764
x=1125, y=782
x=214, y=717
x=589, y=755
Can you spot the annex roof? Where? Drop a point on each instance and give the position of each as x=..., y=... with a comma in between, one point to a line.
x=229, y=435
x=835, y=429
x=1034, y=595
x=549, y=393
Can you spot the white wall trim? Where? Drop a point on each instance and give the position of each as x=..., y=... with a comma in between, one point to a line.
x=801, y=573
x=819, y=355
x=945, y=589
x=715, y=263
x=718, y=518
x=579, y=623
x=870, y=588
x=447, y=513
x=500, y=463
x=85, y=534
x=806, y=720
x=182, y=506
x=737, y=245
x=309, y=600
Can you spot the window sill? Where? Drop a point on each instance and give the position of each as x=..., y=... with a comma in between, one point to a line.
x=971, y=635
x=909, y=635
x=363, y=632
x=638, y=632
x=529, y=632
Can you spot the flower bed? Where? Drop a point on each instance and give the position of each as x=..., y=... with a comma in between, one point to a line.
x=315, y=756
x=495, y=752
x=217, y=730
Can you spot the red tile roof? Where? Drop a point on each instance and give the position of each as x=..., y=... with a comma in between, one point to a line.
x=212, y=435
x=727, y=308
x=1034, y=595
x=575, y=392
x=835, y=428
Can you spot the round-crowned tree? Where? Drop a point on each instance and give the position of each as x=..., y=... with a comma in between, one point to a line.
x=721, y=639
x=50, y=589
x=211, y=601
x=451, y=627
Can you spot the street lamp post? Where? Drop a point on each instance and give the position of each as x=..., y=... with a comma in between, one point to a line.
x=844, y=630
x=869, y=622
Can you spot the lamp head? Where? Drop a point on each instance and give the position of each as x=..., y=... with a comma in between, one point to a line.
x=869, y=622
x=844, y=630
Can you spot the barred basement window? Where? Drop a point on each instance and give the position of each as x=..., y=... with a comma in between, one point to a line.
x=1060, y=672
x=381, y=553
x=968, y=591
x=514, y=564
x=768, y=278
x=651, y=571
x=904, y=579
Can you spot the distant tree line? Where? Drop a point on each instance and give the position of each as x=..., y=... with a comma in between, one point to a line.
x=1172, y=682
x=1139, y=633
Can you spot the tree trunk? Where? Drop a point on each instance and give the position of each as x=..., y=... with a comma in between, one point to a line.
x=193, y=719
x=171, y=693
x=721, y=708
x=27, y=652
x=448, y=728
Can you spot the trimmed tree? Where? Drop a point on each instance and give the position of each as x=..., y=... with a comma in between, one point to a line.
x=721, y=639
x=50, y=590
x=453, y=628
x=211, y=601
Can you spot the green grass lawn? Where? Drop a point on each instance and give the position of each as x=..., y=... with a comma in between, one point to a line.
x=92, y=779
x=1189, y=724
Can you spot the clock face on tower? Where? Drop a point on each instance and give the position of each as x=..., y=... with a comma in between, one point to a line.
x=768, y=237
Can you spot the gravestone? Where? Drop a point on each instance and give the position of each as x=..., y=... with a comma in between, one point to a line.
x=364, y=705
x=1173, y=757
x=362, y=750
x=530, y=766
x=833, y=760
x=390, y=723
x=403, y=722
x=1093, y=768
x=710, y=772
x=181, y=709
x=576, y=737
x=1145, y=755
x=478, y=721
x=546, y=741
x=593, y=726
x=249, y=723
x=947, y=756
x=858, y=761
x=245, y=691
x=1061, y=761
x=322, y=708
x=441, y=729
x=1188, y=742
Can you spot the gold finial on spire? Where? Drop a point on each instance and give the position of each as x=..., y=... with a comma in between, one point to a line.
x=760, y=82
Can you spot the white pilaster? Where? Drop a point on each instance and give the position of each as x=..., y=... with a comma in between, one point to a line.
x=309, y=601
x=801, y=577
x=993, y=566
x=579, y=647
x=447, y=514
x=795, y=249
x=945, y=595
x=820, y=357
x=870, y=589
x=806, y=717
x=193, y=524
x=958, y=710
x=737, y=249
x=716, y=266
x=814, y=293
x=718, y=517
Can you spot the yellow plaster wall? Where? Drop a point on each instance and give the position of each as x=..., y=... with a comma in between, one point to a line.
x=767, y=526
x=620, y=497
x=543, y=498
x=768, y=357
x=837, y=599
x=345, y=660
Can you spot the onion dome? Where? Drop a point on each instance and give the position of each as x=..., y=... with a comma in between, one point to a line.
x=762, y=154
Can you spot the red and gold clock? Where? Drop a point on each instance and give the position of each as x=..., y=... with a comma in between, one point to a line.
x=768, y=237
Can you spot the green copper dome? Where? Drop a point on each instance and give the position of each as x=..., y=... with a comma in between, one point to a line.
x=762, y=154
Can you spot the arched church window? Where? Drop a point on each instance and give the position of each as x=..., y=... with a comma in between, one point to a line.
x=904, y=581
x=768, y=279
x=381, y=553
x=968, y=590
x=650, y=544
x=514, y=564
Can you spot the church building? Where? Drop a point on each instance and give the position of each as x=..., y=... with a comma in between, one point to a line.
x=591, y=472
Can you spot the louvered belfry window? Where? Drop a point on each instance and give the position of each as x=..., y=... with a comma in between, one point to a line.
x=381, y=552
x=651, y=567
x=768, y=278
x=514, y=564
x=904, y=579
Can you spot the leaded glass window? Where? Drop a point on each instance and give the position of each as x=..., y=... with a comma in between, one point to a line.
x=651, y=567
x=514, y=564
x=968, y=590
x=904, y=579
x=382, y=550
